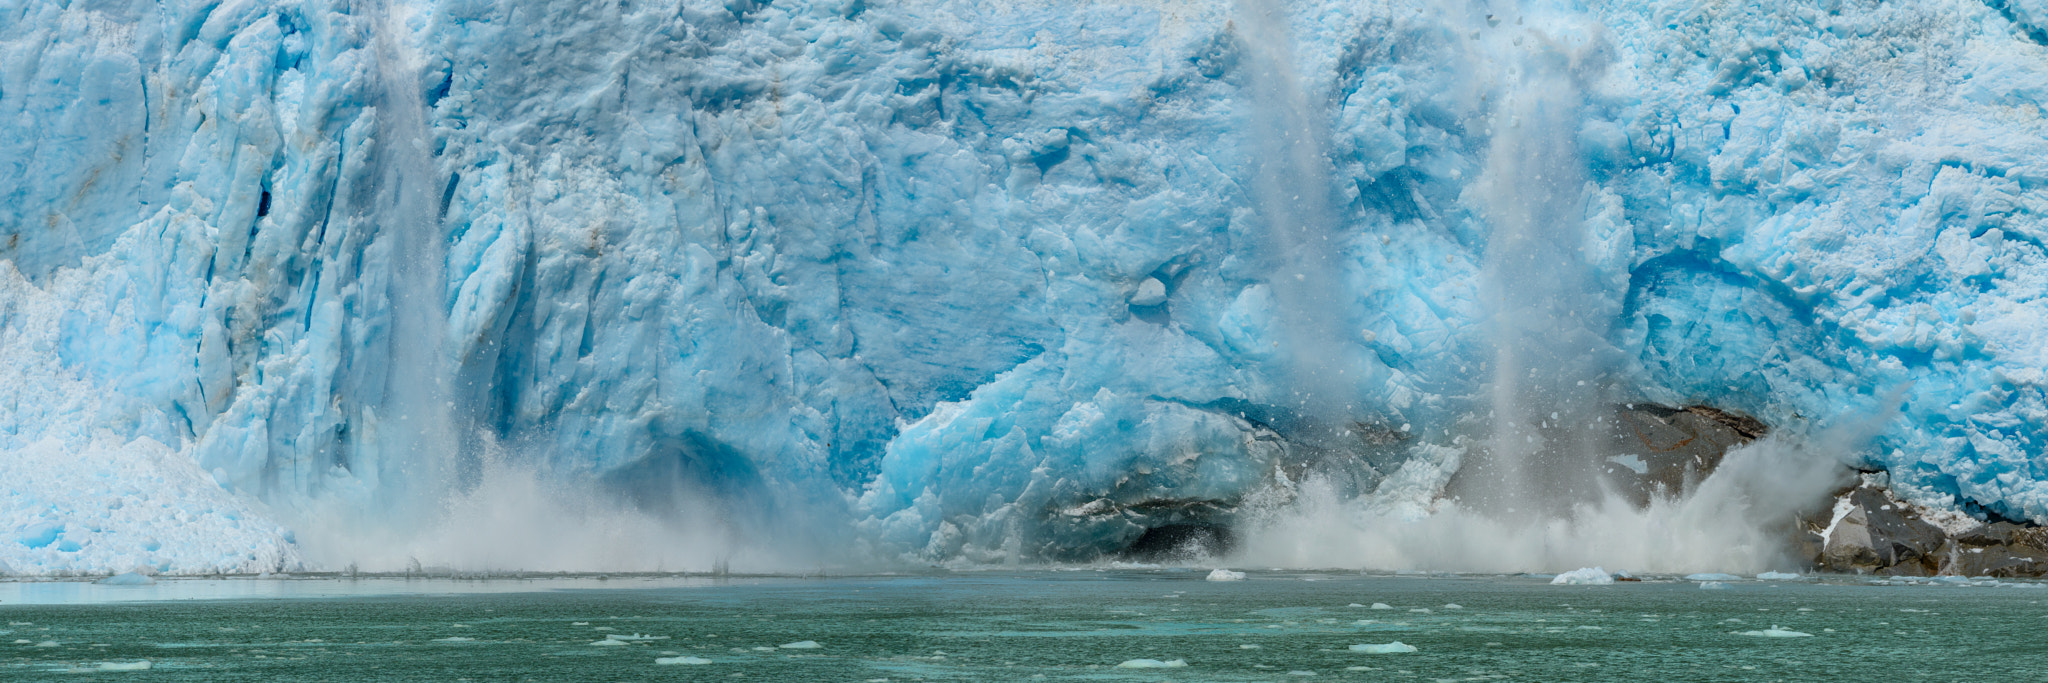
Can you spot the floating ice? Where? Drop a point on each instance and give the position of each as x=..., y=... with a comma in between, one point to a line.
x=1453, y=605
x=1775, y=632
x=127, y=579
x=1777, y=576
x=1247, y=647
x=1712, y=577
x=684, y=660
x=48, y=643
x=1713, y=585
x=1396, y=647
x=1585, y=576
x=1381, y=605
x=123, y=666
x=801, y=645
x=636, y=637
x=455, y=639
x=1152, y=664
x=609, y=643
x=1226, y=575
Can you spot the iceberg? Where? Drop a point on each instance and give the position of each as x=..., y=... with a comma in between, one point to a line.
x=957, y=281
x=1584, y=576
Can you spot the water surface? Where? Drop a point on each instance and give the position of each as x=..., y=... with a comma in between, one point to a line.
x=1061, y=625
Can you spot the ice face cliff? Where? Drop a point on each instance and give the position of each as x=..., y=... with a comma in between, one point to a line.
x=981, y=279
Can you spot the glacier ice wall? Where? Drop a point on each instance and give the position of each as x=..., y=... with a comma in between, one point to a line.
x=969, y=279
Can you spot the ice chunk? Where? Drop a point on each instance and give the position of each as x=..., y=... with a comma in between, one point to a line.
x=801, y=645
x=1584, y=576
x=1775, y=632
x=127, y=579
x=636, y=637
x=1151, y=292
x=1381, y=605
x=124, y=666
x=1777, y=576
x=1713, y=585
x=454, y=639
x=684, y=660
x=1453, y=605
x=1152, y=664
x=1247, y=647
x=609, y=642
x=1710, y=576
x=1396, y=647
x=47, y=643
x=1226, y=575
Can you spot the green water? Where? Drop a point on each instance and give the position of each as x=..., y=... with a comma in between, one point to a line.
x=1061, y=625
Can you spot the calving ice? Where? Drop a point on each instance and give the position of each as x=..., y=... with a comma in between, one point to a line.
x=733, y=285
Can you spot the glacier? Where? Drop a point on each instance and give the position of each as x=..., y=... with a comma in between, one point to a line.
x=978, y=281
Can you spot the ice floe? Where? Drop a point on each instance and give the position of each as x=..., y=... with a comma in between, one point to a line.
x=1396, y=647
x=1775, y=631
x=1152, y=664
x=685, y=660
x=1226, y=575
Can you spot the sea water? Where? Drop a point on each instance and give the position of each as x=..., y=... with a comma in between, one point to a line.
x=1068, y=624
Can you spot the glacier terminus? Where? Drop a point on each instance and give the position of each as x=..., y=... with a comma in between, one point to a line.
x=313, y=284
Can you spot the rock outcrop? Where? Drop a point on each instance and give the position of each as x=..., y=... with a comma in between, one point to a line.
x=1869, y=530
x=1657, y=450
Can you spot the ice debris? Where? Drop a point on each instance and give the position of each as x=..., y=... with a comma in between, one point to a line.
x=685, y=660
x=1396, y=647
x=801, y=645
x=1777, y=576
x=1381, y=605
x=1713, y=585
x=1584, y=576
x=634, y=638
x=1710, y=576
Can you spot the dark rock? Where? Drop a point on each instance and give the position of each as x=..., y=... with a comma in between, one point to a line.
x=1181, y=542
x=2000, y=560
x=1660, y=451
x=1879, y=534
x=1870, y=531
